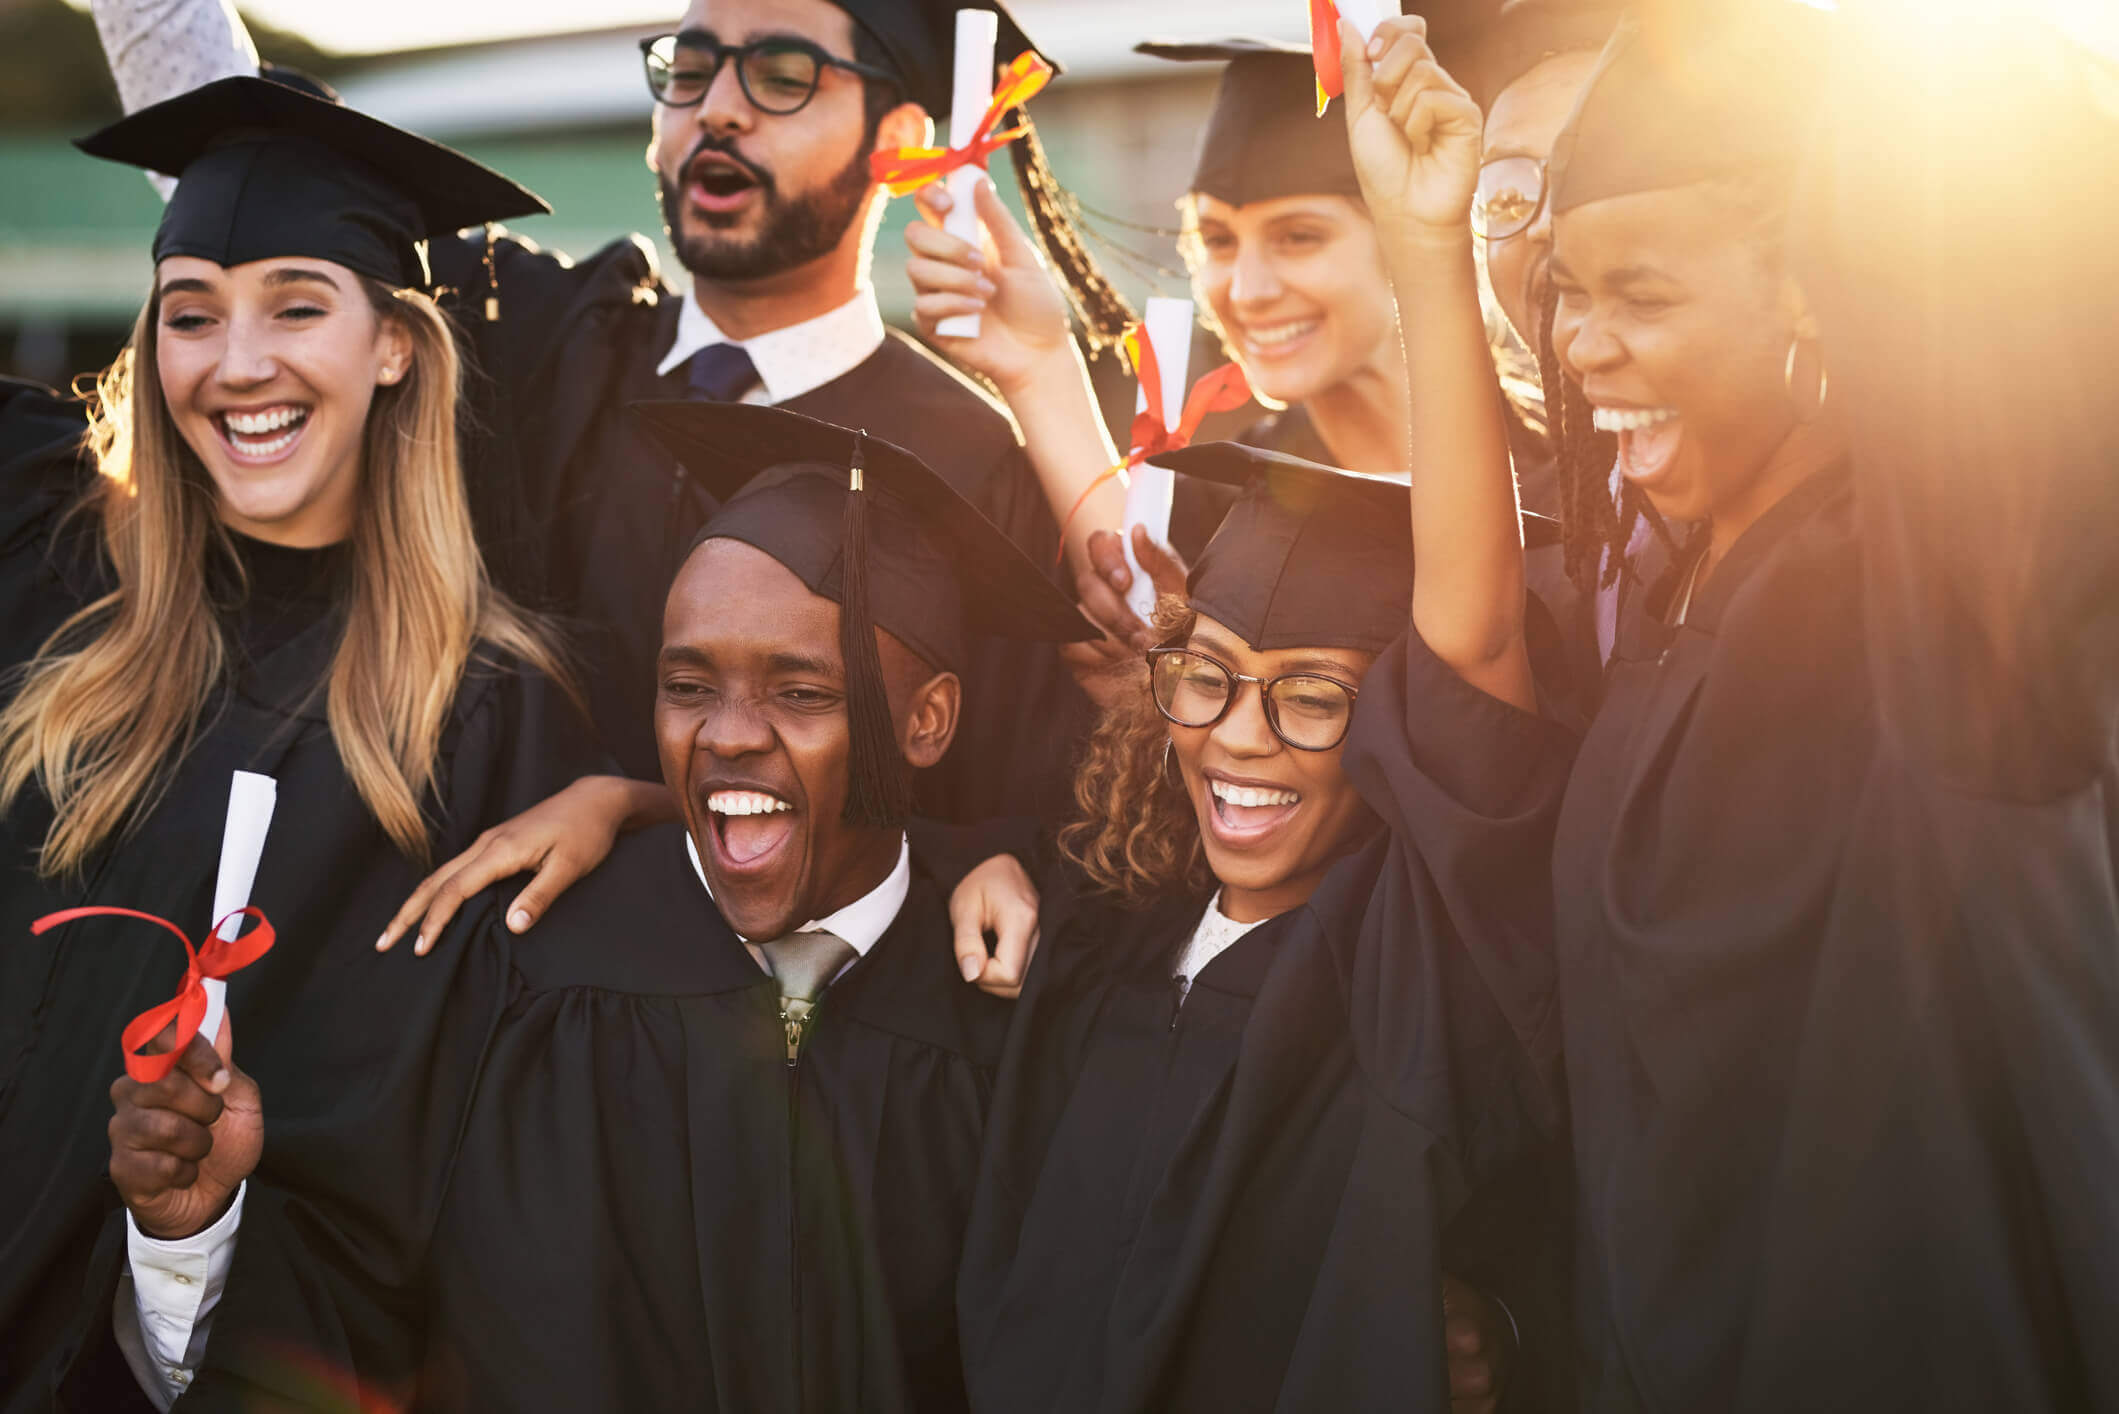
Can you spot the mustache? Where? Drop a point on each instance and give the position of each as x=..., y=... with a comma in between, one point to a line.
x=726, y=147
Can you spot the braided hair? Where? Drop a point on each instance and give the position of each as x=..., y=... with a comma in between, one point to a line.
x=1102, y=310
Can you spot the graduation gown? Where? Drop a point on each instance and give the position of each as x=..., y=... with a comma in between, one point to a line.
x=590, y=518
x=647, y=1206
x=311, y=1013
x=1248, y=1202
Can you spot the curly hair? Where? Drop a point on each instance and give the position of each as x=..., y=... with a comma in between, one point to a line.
x=1138, y=835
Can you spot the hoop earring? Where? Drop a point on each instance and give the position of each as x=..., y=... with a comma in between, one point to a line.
x=1824, y=380
x=1166, y=756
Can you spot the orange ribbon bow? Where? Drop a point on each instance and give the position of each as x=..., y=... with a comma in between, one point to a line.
x=1222, y=390
x=909, y=168
x=219, y=958
x=1324, y=52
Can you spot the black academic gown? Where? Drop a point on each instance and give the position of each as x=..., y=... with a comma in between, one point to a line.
x=320, y=1025
x=647, y=1206
x=593, y=517
x=1248, y=1202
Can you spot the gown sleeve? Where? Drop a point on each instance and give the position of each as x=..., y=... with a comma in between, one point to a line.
x=1969, y=310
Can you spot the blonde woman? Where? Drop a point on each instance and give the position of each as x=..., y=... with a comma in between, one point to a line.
x=249, y=550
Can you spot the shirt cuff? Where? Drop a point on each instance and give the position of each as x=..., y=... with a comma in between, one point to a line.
x=176, y=1284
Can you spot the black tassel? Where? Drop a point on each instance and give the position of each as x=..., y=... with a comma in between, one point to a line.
x=879, y=783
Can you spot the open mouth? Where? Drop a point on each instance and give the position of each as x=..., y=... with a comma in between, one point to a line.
x=1243, y=816
x=720, y=184
x=1281, y=339
x=750, y=829
x=262, y=435
x=1648, y=438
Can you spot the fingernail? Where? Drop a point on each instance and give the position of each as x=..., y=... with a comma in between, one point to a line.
x=382, y=944
x=971, y=967
x=219, y=1082
x=518, y=920
x=1118, y=580
x=988, y=288
x=1376, y=47
x=419, y=945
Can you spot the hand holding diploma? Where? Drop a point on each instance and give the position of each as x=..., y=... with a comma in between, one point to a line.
x=181, y=1145
x=1415, y=135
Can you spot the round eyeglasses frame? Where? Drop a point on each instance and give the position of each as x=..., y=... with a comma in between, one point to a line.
x=1515, y=226
x=658, y=55
x=1267, y=688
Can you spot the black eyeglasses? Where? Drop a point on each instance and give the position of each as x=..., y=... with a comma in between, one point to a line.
x=1308, y=711
x=1511, y=191
x=779, y=76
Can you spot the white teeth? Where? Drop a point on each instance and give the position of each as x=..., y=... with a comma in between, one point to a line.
x=269, y=449
x=745, y=802
x=1274, y=335
x=1630, y=419
x=1251, y=795
x=254, y=424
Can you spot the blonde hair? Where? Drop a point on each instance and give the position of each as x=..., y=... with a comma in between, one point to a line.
x=1138, y=835
x=115, y=698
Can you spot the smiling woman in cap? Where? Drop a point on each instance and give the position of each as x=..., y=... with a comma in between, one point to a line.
x=261, y=559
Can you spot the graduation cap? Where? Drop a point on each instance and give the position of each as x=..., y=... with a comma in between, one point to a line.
x=870, y=525
x=919, y=37
x=1263, y=138
x=1689, y=92
x=267, y=170
x=1525, y=33
x=1310, y=556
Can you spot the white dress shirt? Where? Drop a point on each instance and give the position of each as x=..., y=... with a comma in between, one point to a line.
x=163, y=1322
x=1215, y=935
x=793, y=360
x=860, y=923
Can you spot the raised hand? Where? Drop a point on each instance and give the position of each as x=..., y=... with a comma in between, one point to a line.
x=1111, y=666
x=1414, y=132
x=180, y=1148
x=997, y=898
x=1023, y=322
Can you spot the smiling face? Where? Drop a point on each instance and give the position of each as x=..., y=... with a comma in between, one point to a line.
x=1298, y=287
x=268, y=370
x=748, y=194
x=750, y=716
x=1525, y=119
x=1676, y=321
x=1272, y=818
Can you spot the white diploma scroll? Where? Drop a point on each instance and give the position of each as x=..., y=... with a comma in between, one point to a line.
x=250, y=801
x=976, y=33
x=1363, y=15
x=1167, y=324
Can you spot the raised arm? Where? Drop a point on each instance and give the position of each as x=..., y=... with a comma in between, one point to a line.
x=1026, y=350
x=158, y=49
x=1415, y=137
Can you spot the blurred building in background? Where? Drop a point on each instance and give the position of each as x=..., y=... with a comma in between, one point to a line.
x=567, y=114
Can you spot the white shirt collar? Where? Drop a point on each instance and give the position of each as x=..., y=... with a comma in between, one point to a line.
x=861, y=922
x=792, y=360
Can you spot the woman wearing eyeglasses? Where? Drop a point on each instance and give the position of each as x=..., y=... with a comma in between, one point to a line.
x=1260, y=1092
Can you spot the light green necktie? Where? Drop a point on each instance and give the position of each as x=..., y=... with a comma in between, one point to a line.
x=804, y=964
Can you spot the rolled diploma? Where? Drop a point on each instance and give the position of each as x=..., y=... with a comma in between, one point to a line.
x=1168, y=325
x=1363, y=15
x=976, y=32
x=250, y=801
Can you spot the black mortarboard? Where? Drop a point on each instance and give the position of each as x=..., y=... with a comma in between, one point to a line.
x=269, y=171
x=1310, y=556
x=919, y=39
x=1690, y=91
x=1525, y=33
x=870, y=525
x=1264, y=138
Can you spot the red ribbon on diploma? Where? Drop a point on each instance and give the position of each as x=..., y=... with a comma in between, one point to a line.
x=218, y=958
x=1222, y=390
x=1324, y=52
x=910, y=168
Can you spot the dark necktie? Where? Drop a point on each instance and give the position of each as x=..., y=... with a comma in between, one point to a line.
x=804, y=965
x=721, y=373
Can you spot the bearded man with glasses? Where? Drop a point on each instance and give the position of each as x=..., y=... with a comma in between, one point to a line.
x=764, y=116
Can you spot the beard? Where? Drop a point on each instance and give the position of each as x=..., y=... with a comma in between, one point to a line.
x=792, y=231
